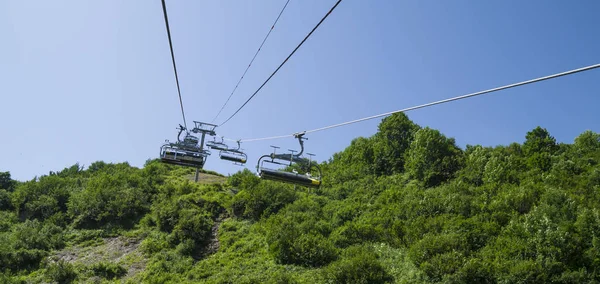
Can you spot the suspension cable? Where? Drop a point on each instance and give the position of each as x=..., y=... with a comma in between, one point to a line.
x=164, y=6
x=251, y=61
x=281, y=65
x=553, y=76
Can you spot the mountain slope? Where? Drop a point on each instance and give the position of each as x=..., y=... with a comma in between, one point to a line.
x=403, y=206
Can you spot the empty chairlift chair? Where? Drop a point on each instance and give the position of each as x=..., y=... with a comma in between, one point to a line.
x=298, y=170
x=237, y=156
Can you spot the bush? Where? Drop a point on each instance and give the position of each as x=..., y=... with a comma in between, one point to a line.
x=6, y=181
x=37, y=235
x=115, y=199
x=21, y=259
x=155, y=242
x=107, y=270
x=244, y=179
x=432, y=158
x=42, y=199
x=263, y=200
x=358, y=265
x=5, y=278
x=292, y=243
x=84, y=236
x=396, y=132
x=7, y=219
x=193, y=224
x=167, y=267
x=5, y=202
x=61, y=272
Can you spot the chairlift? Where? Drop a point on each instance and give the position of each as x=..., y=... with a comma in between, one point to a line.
x=299, y=170
x=237, y=156
x=216, y=145
x=186, y=151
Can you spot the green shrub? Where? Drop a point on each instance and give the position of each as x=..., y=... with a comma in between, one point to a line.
x=474, y=270
x=40, y=199
x=193, y=224
x=167, y=267
x=262, y=200
x=244, y=179
x=85, y=236
x=432, y=158
x=5, y=278
x=6, y=182
x=7, y=220
x=289, y=245
x=21, y=259
x=37, y=235
x=61, y=272
x=155, y=242
x=5, y=201
x=107, y=270
x=358, y=265
x=396, y=132
x=117, y=200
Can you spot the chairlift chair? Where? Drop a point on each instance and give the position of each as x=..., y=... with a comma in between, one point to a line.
x=216, y=145
x=237, y=156
x=308, y=173
x=184, y=152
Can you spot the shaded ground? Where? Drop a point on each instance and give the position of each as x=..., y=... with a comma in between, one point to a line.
x=213, y=244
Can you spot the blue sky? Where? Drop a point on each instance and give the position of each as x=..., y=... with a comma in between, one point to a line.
x=83, y=81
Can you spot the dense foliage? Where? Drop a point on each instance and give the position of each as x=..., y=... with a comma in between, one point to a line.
x=406, y=205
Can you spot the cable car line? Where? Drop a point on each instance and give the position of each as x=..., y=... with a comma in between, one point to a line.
x=251, y=61
x=173, y=58
x=189, y=151
x=296, y=169
x=531, y=81
x=281, y=65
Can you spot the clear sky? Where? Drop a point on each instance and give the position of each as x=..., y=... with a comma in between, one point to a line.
x=82, y=81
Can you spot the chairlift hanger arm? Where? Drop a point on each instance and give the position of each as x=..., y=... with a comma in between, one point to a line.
x=301, y=138
x=181, y=129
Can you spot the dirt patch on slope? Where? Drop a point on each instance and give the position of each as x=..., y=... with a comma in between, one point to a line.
x=120, y=250
x=208, y=178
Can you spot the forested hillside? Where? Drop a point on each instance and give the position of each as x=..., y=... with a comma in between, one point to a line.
x=406, y=205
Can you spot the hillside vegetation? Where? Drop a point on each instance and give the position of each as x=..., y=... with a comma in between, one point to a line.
x=403, y=206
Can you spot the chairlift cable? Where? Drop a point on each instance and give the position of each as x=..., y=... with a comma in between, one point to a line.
x=283, y=63
x=173, y=59
x=251, y=61
x=536, y=80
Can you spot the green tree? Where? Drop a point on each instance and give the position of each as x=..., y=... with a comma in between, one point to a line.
x=587, y=142
x=42, y=198
x=244, y=179
x=353, y=163
x=476, y=157
x=5, y=200
x=396, y=132
x=432, y=158
x=502, y=167
x=262, y=200
x=116, y=199
x=538, y=148
x=6, y=182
